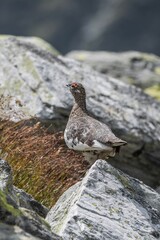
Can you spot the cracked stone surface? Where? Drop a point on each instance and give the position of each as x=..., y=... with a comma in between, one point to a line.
x=107, y=204
x=37, y=78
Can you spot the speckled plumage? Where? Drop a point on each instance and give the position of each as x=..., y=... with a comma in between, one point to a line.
x=85, y=133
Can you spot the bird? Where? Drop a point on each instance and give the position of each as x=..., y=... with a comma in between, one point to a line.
x=86, y=134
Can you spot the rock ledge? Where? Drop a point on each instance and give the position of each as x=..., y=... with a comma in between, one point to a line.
x=107, y=204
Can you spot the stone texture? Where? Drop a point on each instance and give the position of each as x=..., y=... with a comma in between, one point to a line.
x=35, y=41
x=20, y=76
x=25, y=200
x=135, y=68
x=21, y=216
x=37, y=79
x=139, y=69
x=107, y=204
x=9, y=232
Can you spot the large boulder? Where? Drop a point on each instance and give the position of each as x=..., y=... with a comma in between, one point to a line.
x=22, y=217
x=37, y=79
x=137, y=68
x=107, y=204
x=20, y=76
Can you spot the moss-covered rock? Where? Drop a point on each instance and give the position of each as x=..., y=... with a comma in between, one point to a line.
x=14, y=213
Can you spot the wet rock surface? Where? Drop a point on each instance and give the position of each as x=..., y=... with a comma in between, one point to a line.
x=107, y=204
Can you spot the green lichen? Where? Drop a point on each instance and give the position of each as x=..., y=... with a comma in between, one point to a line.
x=154, y=91
x=6, y=206
x=44, y=222
x=130, y=80
x=114, y=210
x=81, y=56
x=35, y=40
x=157, y=70
x=2, y=37
x=149, y=57
x=41, y=43
x=125, y=182
x=28, y=66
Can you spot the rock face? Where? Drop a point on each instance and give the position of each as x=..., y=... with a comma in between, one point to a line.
x=139, y=69
x=10, y=232
x=107, y=204
x=20, y=75
x=135, y=68
x=21, y=216
x=38, y=78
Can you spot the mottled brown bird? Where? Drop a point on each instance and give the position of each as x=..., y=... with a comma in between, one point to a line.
x=86, y=134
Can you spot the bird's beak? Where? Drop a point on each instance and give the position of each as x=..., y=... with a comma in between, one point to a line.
x=68, y=85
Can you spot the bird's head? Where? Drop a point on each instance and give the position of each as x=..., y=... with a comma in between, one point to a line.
x=77, y=90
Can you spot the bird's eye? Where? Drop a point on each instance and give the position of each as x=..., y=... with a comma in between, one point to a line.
x=74, y=85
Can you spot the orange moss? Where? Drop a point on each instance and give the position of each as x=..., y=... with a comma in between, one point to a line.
x=42, y=164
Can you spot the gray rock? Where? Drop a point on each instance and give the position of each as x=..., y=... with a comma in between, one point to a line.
x=19, y=197
x=35, y=41
x=107, y=204
x=140, y=69
x=38, y=78
x=25, y=200
x=158, y=189
x=21, y=216
x=9, y=232
x=20, y=76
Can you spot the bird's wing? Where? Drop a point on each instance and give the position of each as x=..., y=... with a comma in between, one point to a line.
x=103, y=133
x=90, y=131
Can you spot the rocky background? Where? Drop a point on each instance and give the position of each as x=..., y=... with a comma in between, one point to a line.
x=117, y=25
x=34, y=107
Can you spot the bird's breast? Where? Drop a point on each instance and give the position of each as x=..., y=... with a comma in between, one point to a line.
x=75, y=143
